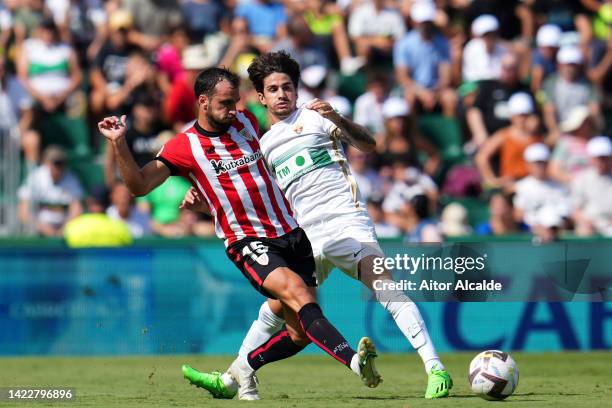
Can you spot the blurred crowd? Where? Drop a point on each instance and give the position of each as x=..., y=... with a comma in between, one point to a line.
x=492, y=107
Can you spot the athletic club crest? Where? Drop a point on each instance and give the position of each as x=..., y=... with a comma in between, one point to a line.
x=245, y=133
x=298, y=128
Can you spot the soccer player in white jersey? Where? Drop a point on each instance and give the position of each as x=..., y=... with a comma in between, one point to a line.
x=303, y=149
x=221, y=157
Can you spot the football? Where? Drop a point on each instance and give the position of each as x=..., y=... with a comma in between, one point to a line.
x=493, y=375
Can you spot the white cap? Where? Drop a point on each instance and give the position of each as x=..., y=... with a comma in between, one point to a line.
x=455, y=220
x=569, y=55
x=549, y=217
x=537, y=152
x=313, y=75
x=483, y=24
x=575, y=119
x=549, y=35
x=422, y=11
x=394, y=107
x=520, y=103
x=599, y=146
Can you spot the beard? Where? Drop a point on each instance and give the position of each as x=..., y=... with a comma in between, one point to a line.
x=220, y=124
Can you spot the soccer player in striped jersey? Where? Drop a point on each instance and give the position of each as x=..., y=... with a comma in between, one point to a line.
x=303, y=149
x=221, y=157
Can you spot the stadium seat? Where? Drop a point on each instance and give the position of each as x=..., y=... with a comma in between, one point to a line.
x=353, y=86
x=89, y=172
x=70, y=133
x=445, y=133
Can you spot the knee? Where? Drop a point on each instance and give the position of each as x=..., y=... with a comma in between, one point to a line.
x=298, y=337
x=293, y=290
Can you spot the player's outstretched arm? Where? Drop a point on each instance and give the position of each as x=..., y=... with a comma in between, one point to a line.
x=139, y=181
x=347, y=130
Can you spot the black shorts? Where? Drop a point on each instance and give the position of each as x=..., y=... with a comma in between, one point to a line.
x=257, y=257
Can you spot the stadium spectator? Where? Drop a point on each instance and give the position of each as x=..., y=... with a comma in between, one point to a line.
x=418, y=224
x=16, y=114
x=570, y=155
x=142, y=136
x=422, y=63
x=368, y=106
x=326, y=22
x=501, y=217
x=509, y=144
x=27, y=18
x=567, y=89
x=514, y=16
x=163, y=206
x=7, y=10
x=49, y=69
x=544, y=57
x=600, y=73
x=123, y=209
x=109, y=67
x=51, y=195
x=141, y=79
x=204, y=18
x=407, y=183
x=490, y=111
x=563, y=13
x=399, y=141
x=85, y=25
x=264, y=20
x=454, y=221
x=367, y=179
x=95, y=228
x=302, y=45
x=152, y=21
x=377, y=215
x=374, y=28
x=169, y=57
x=592, y=191
x=180, y=100
x=482, y=55
x=539, y=200
x=602, y=18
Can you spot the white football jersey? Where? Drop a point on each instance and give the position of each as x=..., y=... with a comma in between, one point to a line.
x=311, y=168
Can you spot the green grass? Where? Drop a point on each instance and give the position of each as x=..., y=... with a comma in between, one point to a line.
x=546, y=380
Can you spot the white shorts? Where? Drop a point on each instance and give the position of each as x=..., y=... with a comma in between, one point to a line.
x=342, y=241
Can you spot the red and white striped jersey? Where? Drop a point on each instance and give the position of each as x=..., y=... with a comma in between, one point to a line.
x=230, y=172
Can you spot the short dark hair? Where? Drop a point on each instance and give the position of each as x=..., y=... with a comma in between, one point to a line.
x=271, y=62
x=207, y=80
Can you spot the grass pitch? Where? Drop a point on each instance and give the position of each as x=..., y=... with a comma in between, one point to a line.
x=546, y=380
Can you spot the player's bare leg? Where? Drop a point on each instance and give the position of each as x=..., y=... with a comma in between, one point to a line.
x=409, y=320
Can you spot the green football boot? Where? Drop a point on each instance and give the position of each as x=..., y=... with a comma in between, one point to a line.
x=438, y=384
x=211, y=382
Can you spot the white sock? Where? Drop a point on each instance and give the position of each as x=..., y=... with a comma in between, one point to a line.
x=261, y=330
x=228, y=380
x=355, y=364
x=409, y=320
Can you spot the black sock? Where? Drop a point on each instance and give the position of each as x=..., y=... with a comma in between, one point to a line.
x=324, y=334
x=278, y=347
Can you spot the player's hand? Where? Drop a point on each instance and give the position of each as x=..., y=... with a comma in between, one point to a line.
x=324, y=109
x=193, y=201
x=112, y=127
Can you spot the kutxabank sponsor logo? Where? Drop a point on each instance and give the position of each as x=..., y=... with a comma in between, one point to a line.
x=223, y=166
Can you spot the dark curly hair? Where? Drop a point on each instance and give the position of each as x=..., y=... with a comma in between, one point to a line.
x=207, y=80
x=269, y=63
